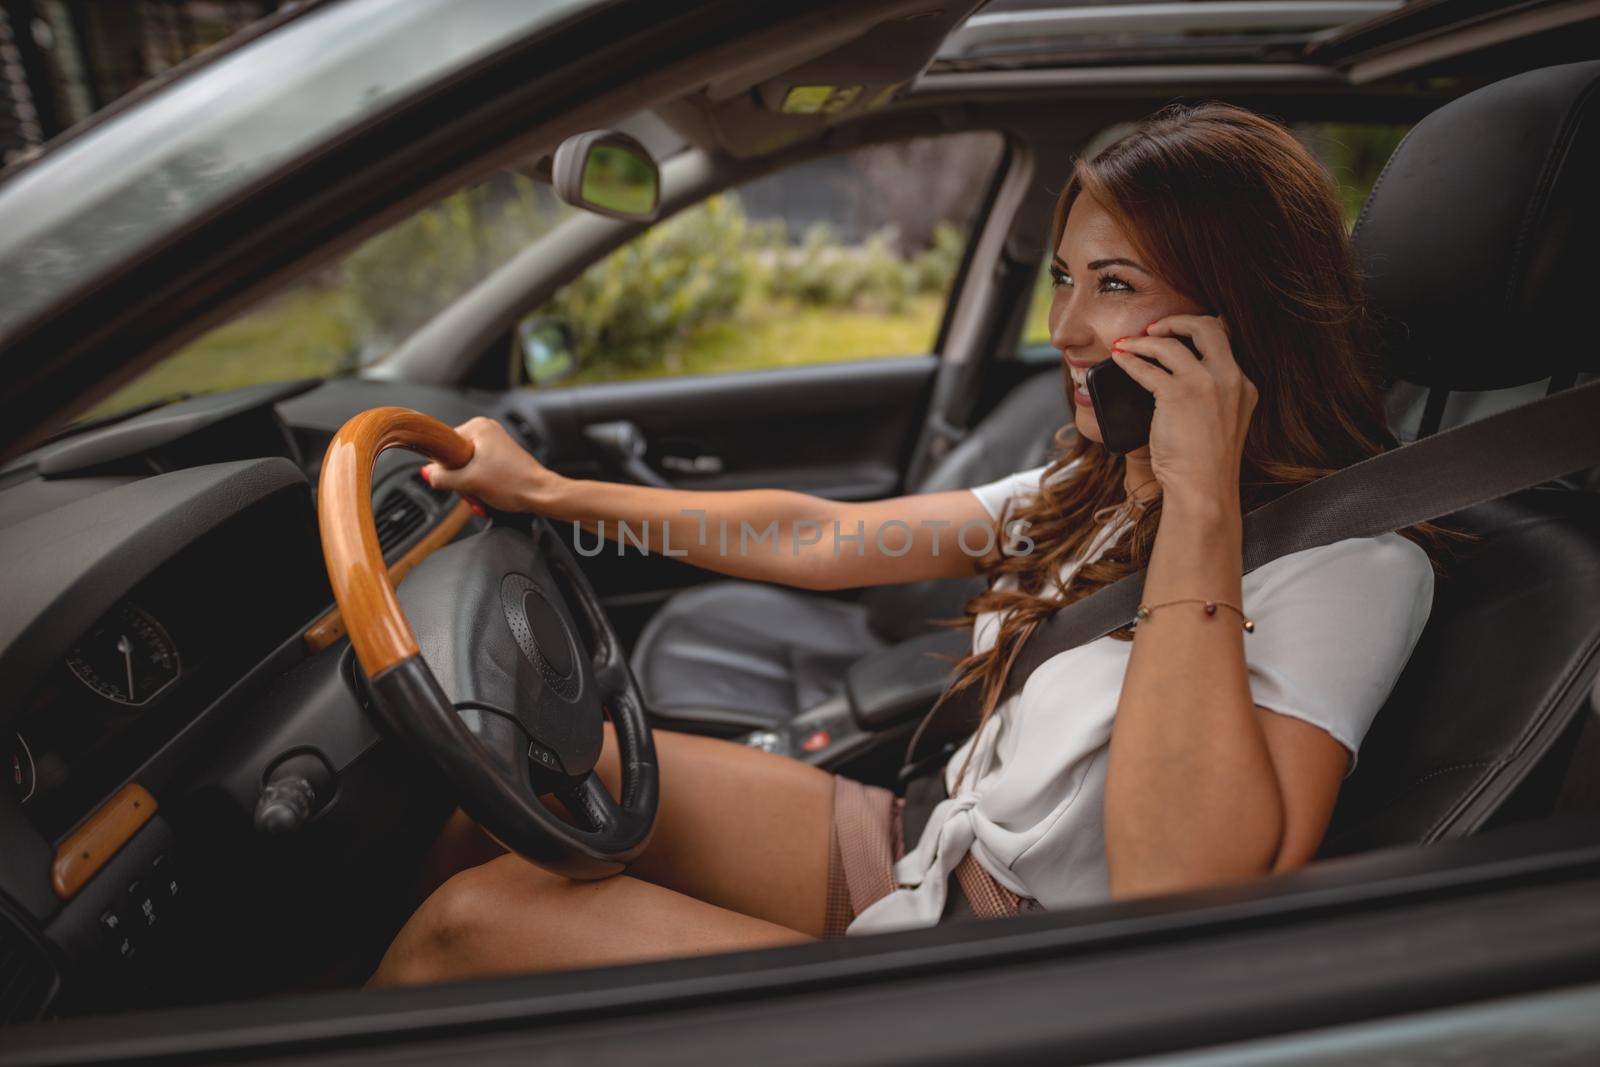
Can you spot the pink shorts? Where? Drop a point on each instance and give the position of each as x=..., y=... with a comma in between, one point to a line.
x=866, y=842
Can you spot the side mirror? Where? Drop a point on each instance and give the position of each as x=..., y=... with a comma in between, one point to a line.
x=548, y=352
x=608, y=173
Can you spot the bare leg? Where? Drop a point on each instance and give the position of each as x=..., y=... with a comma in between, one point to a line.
x=739, y=859
x=738, y=827
x=461, y=844
x=508, y=916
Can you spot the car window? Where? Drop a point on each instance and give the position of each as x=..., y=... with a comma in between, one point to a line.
x=845, y=257
x=348, y=314
x=1354, y=153
x=96, y=200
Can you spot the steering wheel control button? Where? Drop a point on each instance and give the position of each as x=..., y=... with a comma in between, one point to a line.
x=544, y=757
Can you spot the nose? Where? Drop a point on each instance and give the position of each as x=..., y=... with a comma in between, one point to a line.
x=1068, y=329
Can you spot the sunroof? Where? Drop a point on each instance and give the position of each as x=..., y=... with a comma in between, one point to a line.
x=1077, y=32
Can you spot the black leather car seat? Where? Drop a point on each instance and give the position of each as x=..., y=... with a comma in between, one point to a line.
x=730, y=656
x=1478, y=239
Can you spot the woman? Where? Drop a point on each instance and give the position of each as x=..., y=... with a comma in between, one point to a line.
x=1205, y=746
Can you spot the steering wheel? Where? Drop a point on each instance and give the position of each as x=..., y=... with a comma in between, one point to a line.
x=506, y=680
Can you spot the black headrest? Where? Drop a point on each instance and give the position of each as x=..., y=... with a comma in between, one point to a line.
x=1480, y=235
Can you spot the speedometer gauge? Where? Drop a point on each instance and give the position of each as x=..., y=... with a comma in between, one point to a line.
x=127, y=657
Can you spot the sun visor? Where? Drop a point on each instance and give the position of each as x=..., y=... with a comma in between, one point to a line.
x=867, y=72
x=858, y=65
x=868, y=59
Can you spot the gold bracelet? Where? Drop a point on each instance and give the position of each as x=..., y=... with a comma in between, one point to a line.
x=1211, y=607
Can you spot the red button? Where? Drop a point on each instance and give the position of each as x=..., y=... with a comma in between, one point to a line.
x=816, y=741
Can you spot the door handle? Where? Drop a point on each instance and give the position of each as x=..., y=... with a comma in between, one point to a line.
x=624, y=444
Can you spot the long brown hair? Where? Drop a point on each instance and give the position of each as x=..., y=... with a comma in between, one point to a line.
x=1233, y=212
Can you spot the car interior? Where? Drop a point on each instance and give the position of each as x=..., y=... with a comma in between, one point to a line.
x=205, y=804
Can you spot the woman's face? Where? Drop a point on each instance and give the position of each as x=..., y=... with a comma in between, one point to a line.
x=1102, y=293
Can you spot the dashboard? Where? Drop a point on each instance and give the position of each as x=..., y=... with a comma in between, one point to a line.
x=169, y=632
x=161, y=654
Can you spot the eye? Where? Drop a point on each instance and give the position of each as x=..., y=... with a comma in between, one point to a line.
x=1059, y=277
x=1110, y=283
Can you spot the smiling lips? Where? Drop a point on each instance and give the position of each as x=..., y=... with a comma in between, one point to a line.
x=1079, y=376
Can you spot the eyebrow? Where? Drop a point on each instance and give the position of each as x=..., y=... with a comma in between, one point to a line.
x=1117, y=261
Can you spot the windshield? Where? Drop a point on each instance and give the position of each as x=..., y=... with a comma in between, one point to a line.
x=103, y=196
x=346, y=315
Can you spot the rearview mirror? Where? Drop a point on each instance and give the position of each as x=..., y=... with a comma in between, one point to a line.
x=548, y=352
x=608, y=173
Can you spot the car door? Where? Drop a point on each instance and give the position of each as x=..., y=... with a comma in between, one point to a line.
x=781, y=334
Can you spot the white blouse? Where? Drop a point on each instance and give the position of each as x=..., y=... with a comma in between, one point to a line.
x=1334, y=627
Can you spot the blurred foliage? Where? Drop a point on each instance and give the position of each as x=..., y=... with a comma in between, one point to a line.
x=709, y=289
x=1354, y=154
x=305, y=332
x=345, y=316
x=406, y=275
x=711, y=272
x=784, y=333
x=692, y=269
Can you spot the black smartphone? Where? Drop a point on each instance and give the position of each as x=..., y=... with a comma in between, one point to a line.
x=1123, y=407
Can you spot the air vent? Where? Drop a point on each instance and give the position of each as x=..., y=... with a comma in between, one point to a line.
x=27, y=978
x=532, y=440
x=398, y=518
x=442, y=497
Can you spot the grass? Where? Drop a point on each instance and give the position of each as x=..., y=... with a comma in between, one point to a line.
x=788, y=334
x=306, y=332
x=311, y=332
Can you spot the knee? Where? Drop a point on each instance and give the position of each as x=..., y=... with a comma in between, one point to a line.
x=457, y=914
x=450, y=936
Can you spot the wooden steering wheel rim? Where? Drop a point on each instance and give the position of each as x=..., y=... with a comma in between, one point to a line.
x=378, y=628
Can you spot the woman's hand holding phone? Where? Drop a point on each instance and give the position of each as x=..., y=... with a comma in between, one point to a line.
x=1203, y=405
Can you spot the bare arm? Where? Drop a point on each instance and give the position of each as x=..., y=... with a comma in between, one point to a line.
x=772, y=535
x=1202, y=786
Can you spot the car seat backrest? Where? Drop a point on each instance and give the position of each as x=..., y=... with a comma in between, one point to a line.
x=1479, y=236
x=1016, y=436
x=1504, y=666
x=1474, y=240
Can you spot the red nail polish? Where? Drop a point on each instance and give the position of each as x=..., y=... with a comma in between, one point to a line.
x=1148, y=325
x=424, y=473
x=477, y=508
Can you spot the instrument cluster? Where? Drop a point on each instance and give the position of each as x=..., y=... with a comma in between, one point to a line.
x=157, y=658
x=125, y=664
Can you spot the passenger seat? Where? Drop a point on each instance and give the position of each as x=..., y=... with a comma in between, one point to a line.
x=732, y=656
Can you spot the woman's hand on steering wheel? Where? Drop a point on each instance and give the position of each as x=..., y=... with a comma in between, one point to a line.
x=501, y=473
x=495, y=660
x=1203, y=406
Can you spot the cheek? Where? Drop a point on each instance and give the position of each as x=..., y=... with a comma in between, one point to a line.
x=1128, y=321
x=1088, y=425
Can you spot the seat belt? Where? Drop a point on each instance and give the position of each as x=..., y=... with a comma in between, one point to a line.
x=1436, y=476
